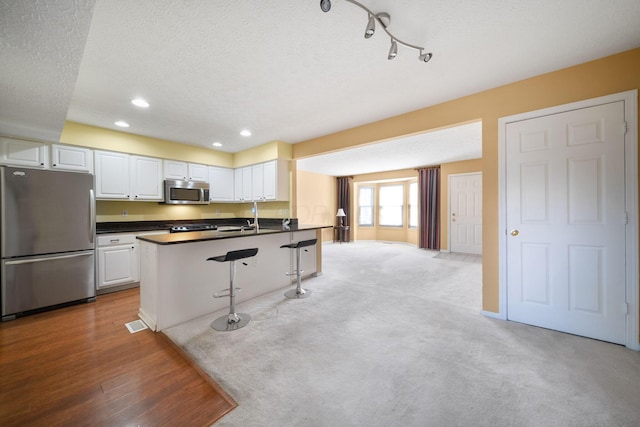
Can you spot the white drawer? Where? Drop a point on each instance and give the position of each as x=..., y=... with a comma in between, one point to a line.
x=116, y=239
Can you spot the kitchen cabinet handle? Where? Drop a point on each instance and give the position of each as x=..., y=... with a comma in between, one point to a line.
x=92, y=215
x=32, y=260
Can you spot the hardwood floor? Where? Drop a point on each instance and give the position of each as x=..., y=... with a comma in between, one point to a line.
x=80, y=365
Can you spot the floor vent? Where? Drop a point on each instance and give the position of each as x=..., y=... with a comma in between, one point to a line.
x=135, y=326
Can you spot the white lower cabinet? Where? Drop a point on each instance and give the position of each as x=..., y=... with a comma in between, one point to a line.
x=118, y=261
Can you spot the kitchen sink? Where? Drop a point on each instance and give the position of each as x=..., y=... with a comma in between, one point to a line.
x=228, y=228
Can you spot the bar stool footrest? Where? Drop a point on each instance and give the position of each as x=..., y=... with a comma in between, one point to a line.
x=294, y=273
x=224, y=293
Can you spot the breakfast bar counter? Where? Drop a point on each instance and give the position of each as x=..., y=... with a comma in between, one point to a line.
x=177, y=283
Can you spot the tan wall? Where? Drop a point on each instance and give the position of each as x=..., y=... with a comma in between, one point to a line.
x=316, y=201
x=107, y=139
x=605, y=76
x=269, y=151
x=112, y=211
x=446, y=170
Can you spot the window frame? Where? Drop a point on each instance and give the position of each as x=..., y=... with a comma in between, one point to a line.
x=372, y=205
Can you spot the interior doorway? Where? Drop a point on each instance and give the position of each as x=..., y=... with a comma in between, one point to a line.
x=465, y=213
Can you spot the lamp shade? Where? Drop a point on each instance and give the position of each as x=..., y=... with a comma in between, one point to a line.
x=341, y=212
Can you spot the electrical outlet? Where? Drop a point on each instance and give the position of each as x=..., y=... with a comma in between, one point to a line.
x=218, y=212
x=124, y=212
x=280, y=212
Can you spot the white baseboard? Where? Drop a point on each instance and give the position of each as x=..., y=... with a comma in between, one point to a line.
x=494, y=315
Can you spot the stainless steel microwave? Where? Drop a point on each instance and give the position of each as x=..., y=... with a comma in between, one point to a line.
x=179, y=192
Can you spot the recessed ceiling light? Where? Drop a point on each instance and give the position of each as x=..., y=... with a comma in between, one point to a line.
x=245, y=132
x=217, y=144
x=139, y=102
x=122, y=124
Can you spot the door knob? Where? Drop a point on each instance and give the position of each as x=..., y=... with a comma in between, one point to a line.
x=514, y=232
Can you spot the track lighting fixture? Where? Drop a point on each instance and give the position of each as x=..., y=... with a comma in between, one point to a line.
x=383, y=19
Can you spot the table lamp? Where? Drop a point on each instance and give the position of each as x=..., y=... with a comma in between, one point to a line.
x=341, y=214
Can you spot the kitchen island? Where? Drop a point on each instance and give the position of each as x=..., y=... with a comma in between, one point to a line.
x=177, y=282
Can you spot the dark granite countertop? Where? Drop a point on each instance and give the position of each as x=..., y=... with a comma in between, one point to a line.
x=200, y=236
x=165, y=225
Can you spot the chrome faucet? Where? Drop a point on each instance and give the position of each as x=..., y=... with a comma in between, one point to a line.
x=255, y=215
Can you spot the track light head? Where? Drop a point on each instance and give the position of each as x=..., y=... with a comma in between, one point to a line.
x=325, y=5
x=425, y=57
x=393, y=51
x=371, y=27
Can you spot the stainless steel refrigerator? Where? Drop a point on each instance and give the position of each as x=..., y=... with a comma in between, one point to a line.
x=47, y=239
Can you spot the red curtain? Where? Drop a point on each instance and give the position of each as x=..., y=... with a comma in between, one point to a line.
x=429, y=207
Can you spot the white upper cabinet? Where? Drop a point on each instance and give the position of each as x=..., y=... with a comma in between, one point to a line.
x=270, y=182
x=243, y=184
x=266, y=181
x=174, y=169
x=23, y=153
x=146, y=178
x=275, y=180
x=70, y=158
x=257, y=182
x=112, y=175
x=221, y=183
x=198, y=172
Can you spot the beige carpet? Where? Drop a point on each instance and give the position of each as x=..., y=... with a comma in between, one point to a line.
x=395, y=337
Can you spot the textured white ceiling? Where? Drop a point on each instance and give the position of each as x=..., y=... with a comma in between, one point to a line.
x=41, y=45
x=431, y=148
x=283, y=69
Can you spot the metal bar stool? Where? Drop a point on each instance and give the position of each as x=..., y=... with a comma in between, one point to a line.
x=298, y=292
x=233, y=320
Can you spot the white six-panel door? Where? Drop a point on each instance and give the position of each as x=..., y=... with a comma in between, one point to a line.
x=465, y=213
x=566, y=222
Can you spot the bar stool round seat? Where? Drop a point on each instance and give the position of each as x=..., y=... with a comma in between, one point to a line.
x=233, y=320
x=298, y=292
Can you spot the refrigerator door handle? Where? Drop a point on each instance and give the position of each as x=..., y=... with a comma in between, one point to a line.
x=92, y=215
x=32, y=260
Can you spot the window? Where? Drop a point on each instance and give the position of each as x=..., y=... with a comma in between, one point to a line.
x=365, y=205
x=413, y=205
x=391, y=205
